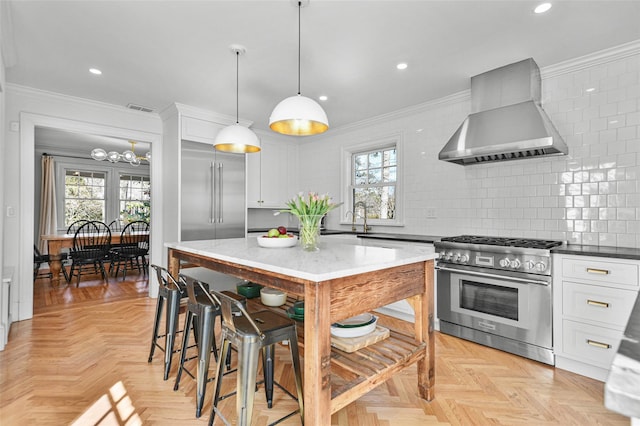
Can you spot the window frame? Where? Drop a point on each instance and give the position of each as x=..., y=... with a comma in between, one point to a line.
x=131, y=174
x=380, y=144
x=112, y=184
x=67, y=172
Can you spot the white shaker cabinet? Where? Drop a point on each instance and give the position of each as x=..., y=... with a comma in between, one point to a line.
x=592, y=300
x=270, y=174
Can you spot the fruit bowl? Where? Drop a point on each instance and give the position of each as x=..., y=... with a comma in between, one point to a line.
x=275, y=242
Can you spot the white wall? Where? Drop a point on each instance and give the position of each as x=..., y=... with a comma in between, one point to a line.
x=3, y=88
x=590, y=196
x=30, y=108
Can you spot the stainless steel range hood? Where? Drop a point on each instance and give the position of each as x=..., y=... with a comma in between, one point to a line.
x=507, y=122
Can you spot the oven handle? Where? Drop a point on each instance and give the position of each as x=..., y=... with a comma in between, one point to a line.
x=482, y=274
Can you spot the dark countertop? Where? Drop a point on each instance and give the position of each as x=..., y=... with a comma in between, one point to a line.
x=622, y=388
x=373, y=235
x=598, y=251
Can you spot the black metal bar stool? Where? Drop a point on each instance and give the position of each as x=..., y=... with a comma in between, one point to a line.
x=202, y=312
x=172, y=293
x=252, y=334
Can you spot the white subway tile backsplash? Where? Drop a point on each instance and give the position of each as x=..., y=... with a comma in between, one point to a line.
x=590, y=196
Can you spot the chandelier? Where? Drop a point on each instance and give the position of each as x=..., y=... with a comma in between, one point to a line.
x=129, y=155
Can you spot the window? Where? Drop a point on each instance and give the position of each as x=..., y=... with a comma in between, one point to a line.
x=372, y=177
x=134, y=198
x=84, y=196
x=87, y=189
x=374, y=183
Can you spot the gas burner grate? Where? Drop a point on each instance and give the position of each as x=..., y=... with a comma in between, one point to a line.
x=503, y=241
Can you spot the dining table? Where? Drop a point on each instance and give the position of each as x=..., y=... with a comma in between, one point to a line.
x=57, y=242
x=337, y=282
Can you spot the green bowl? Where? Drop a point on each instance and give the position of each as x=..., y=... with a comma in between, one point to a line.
x=298, y=307
x=249, y=290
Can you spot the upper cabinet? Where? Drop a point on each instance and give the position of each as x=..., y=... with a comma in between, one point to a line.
x=271, y=174
x=197, y=130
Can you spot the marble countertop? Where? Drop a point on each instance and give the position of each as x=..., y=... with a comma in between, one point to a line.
x=622, y=389
x=334, y=259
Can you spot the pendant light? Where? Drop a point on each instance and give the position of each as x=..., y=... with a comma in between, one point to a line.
x=237, y=138
x=298, y=115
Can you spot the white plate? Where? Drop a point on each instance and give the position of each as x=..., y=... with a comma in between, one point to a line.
x=354, y=332
x=268, y=242
x=357, y=321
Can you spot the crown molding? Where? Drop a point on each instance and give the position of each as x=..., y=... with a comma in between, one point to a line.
x=453, y=99
x=39, y=93
x=201, y=114
x=592, y=59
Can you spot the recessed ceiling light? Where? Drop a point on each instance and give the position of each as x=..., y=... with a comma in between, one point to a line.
x=95, y=71
x=542, y=8
x=402, y=66
x=323, y=97
x=590, y=89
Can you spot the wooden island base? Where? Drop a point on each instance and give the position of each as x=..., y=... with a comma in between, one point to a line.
x=356, y=373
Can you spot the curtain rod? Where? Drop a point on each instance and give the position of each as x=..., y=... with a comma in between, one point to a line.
x=66, y=156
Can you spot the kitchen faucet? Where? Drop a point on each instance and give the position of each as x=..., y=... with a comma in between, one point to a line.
x=362, y=204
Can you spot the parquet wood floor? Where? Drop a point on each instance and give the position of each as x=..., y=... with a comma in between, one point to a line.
x=86, y=364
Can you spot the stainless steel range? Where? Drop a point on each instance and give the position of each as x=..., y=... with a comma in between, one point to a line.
x=497, y=292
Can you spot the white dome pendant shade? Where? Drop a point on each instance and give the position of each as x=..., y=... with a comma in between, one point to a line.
x=237, y=138
x=299, y=115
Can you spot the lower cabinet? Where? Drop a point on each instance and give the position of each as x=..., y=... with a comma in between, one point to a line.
x=593, y=298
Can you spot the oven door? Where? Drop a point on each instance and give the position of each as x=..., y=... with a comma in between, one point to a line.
x=517, y=308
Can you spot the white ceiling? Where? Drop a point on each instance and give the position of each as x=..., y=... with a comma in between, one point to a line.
x=154, y=53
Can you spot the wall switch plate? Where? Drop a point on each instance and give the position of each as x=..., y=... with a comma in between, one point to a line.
x=11, y=212
x=14, y=126
x=431, y=213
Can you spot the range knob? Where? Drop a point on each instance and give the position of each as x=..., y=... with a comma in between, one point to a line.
x=541, y=267
x=464, y=258
x=505, y=262
x=442, y=255
x=456, y=257
x=529, y=264
x=515, y=264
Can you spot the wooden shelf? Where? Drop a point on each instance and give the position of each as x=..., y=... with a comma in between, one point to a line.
x=353, y=374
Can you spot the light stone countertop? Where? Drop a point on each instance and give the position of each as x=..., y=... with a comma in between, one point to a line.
x=335, y=259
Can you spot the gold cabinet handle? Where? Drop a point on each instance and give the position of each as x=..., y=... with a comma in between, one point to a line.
x=596, y=303
x=598, y=344
x=597, y=271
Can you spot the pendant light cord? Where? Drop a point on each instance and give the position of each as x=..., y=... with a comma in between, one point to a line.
x=237, y=87
x=299, y=43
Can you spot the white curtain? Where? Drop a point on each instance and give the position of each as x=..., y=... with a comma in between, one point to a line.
x=48, y=218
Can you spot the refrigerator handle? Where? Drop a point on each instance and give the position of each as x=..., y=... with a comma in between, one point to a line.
x=212, y=200
x=220, y=197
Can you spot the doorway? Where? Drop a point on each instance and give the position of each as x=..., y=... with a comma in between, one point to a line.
x=28, y=124
x=88, y=189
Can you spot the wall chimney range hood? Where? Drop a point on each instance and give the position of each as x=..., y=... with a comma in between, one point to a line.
x=507, y=121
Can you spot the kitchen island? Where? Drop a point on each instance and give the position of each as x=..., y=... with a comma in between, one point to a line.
x=337, y=282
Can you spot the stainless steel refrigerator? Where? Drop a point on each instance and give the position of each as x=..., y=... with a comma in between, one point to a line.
x=212, y=193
